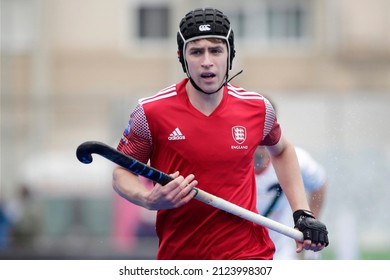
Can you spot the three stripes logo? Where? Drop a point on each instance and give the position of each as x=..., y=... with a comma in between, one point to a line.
x=176, y=135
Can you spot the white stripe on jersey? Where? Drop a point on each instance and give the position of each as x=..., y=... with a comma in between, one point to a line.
x=164, y=93
x=270, y=117
x=243, y=94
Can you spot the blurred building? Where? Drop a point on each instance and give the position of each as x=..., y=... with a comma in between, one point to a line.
x=72, y=71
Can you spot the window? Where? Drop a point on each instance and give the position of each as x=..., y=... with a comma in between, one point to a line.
x=286, y=22
x=19, y=21
x=273, y=21
x=153, y=22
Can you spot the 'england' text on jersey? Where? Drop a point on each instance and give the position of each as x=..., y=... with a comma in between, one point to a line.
x=238, y=147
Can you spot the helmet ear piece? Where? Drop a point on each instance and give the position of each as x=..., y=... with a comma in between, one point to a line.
x=180, y=56
x=180, y=53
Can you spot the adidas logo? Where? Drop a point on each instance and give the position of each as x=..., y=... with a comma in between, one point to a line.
x=176, y=135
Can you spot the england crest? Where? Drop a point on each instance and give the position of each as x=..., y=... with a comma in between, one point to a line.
x=239, y=134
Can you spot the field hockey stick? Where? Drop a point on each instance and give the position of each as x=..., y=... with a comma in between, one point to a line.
x=84, y=154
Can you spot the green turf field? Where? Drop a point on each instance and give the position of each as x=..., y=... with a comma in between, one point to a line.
x=365, y=254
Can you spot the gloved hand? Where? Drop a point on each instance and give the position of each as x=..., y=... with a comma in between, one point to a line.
x=311, y=228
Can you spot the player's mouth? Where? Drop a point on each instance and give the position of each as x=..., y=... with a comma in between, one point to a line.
x=207, y=75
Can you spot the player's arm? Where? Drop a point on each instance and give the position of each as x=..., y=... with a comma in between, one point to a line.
x=172, y=195
x=136, y=139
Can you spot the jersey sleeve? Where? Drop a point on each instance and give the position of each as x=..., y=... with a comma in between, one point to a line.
x=136, y=139
x=272, y=130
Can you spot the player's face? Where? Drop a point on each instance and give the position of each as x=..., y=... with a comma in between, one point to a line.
x=207, y=63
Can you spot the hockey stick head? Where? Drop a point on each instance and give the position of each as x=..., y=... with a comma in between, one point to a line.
x=85, y=150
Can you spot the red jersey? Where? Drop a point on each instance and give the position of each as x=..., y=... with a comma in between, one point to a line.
x=218, y=149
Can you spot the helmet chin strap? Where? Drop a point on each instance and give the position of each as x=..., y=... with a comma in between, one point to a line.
x=221, y=86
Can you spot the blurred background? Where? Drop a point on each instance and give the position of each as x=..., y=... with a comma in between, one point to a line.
x=72, y=71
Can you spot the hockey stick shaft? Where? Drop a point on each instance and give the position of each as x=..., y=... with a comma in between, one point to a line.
x=84, y=154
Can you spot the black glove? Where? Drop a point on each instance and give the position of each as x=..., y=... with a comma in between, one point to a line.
x=311, y=228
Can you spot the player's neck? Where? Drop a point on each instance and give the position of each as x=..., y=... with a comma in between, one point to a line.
x=205, y=103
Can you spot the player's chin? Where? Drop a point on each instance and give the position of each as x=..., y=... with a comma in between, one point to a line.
x=209, y=88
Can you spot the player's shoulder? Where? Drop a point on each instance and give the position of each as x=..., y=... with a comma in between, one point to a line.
x=161, y=95
x=243, y=94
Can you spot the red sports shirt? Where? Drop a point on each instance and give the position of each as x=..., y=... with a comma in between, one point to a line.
x=218, y=149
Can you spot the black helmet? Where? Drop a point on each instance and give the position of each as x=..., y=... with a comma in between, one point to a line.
x=205, y=23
